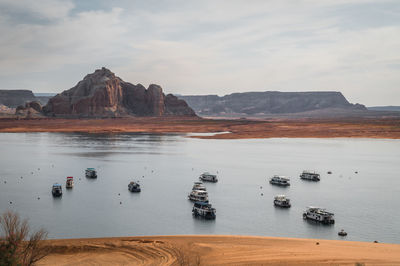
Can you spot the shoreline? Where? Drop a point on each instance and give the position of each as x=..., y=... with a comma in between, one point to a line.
x=218, y=250
x=383, y=128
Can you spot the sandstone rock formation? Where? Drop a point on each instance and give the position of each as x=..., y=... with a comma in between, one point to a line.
x=14, y=98
x=29, y=109
x=269, y=102
x=102, y=94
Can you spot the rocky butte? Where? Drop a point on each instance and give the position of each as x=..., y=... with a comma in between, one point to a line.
x=102, y=94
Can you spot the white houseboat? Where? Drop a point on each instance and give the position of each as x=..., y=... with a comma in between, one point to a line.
x=279, y=180
x=319, y=215
x=204, y=210
x=208, y=177
x=310, y=175
x=199, y=186
x=198, y=195
x=56, y=190
x=282, y=201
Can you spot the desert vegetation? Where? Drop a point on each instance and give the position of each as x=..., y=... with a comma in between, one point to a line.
x=19, y=245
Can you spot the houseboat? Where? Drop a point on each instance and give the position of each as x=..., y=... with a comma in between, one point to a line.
x=282, y=201
x=198, y=195
x=199, y=186
x=310, y=175
x=204, y=210
x=319, y=215
x=56, y=190
x=70, y=182
x=279, y=180
x=134, y=187
x=208, y=177
x=91, y=173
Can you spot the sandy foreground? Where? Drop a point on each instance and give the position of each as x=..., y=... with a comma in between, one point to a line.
x=388, y=128
x=218, y=250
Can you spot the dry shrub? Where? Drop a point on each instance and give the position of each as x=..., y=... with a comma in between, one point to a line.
x=17, y=245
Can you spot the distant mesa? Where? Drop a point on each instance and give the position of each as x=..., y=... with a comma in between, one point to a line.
x=14, y=98
x=269, y=102
x=102, y=94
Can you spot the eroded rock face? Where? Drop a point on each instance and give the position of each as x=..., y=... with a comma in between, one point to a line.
x=29, y=109
x=102, y=94
x=269, y=102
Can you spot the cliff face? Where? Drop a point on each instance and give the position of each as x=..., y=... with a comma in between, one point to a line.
x=103, y=94
x=269, y=102
x=14, y=98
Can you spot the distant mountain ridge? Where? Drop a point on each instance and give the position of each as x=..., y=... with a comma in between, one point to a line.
x=384, y=108
x=268, y=102
x=14, y=98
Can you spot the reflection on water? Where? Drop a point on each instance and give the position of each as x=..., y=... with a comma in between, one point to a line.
x=366, y=204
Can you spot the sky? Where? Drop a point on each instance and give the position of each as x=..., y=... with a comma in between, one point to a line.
x=206, y=47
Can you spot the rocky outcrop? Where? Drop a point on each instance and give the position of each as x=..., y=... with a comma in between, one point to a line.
x=269, y=102
x=14, y=98
x=29, y=109
x=102, y=94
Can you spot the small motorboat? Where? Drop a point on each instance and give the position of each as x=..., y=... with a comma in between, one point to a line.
x=134, y=187
x=70, y=182
x=91, y=173
x=56, y=190
x=208, y=177
x=329, y=172
x=342, y=233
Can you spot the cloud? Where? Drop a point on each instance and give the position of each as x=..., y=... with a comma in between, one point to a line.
x=199, y=47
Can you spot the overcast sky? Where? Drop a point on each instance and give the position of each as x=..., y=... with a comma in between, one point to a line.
x=206, y=47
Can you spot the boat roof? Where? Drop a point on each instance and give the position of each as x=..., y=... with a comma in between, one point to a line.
x=198, y=183
x=281, y=177
x=70, y=177
x=90, y=169
x=56, y=185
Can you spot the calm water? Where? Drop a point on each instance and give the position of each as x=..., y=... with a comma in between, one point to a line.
x=366, y=205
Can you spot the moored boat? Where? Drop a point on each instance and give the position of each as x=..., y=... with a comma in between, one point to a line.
x=70, y=182
x=280, y=181
x=342, y=233
x=282, y=201
x=134, y=187
x=198, y=195
x=310, y=175
x=208, y=177
x=199, y=186
x=91, y=173
x=319, y=215
x=204, y=210
x=56, y=190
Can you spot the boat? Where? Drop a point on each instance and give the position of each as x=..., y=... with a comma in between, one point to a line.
x=319, y=215
x=56, y=190
x=342, y=233
x=282, y=201
x=70, y=182
x=198, y=195
x=204, y=210
x=310, y=175
x=91, y=173
x=199, y=186
x=279, y=180
x=329, y=172
x=134, y=187
x=208, y=177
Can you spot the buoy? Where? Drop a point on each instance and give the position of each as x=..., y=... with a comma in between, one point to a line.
x=261, y=187
x=5, y=182
x=120, y=202
x=21, y=177
x=119, y=194
x=262, y=194
x=10, y=202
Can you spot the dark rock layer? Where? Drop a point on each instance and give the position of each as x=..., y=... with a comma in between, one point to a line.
x=14, y=98
x=269, y=102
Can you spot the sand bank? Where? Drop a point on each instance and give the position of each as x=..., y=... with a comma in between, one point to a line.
x=218, y=250
x=236, y=129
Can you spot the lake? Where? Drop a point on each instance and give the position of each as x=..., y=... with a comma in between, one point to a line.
x=366, y=204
